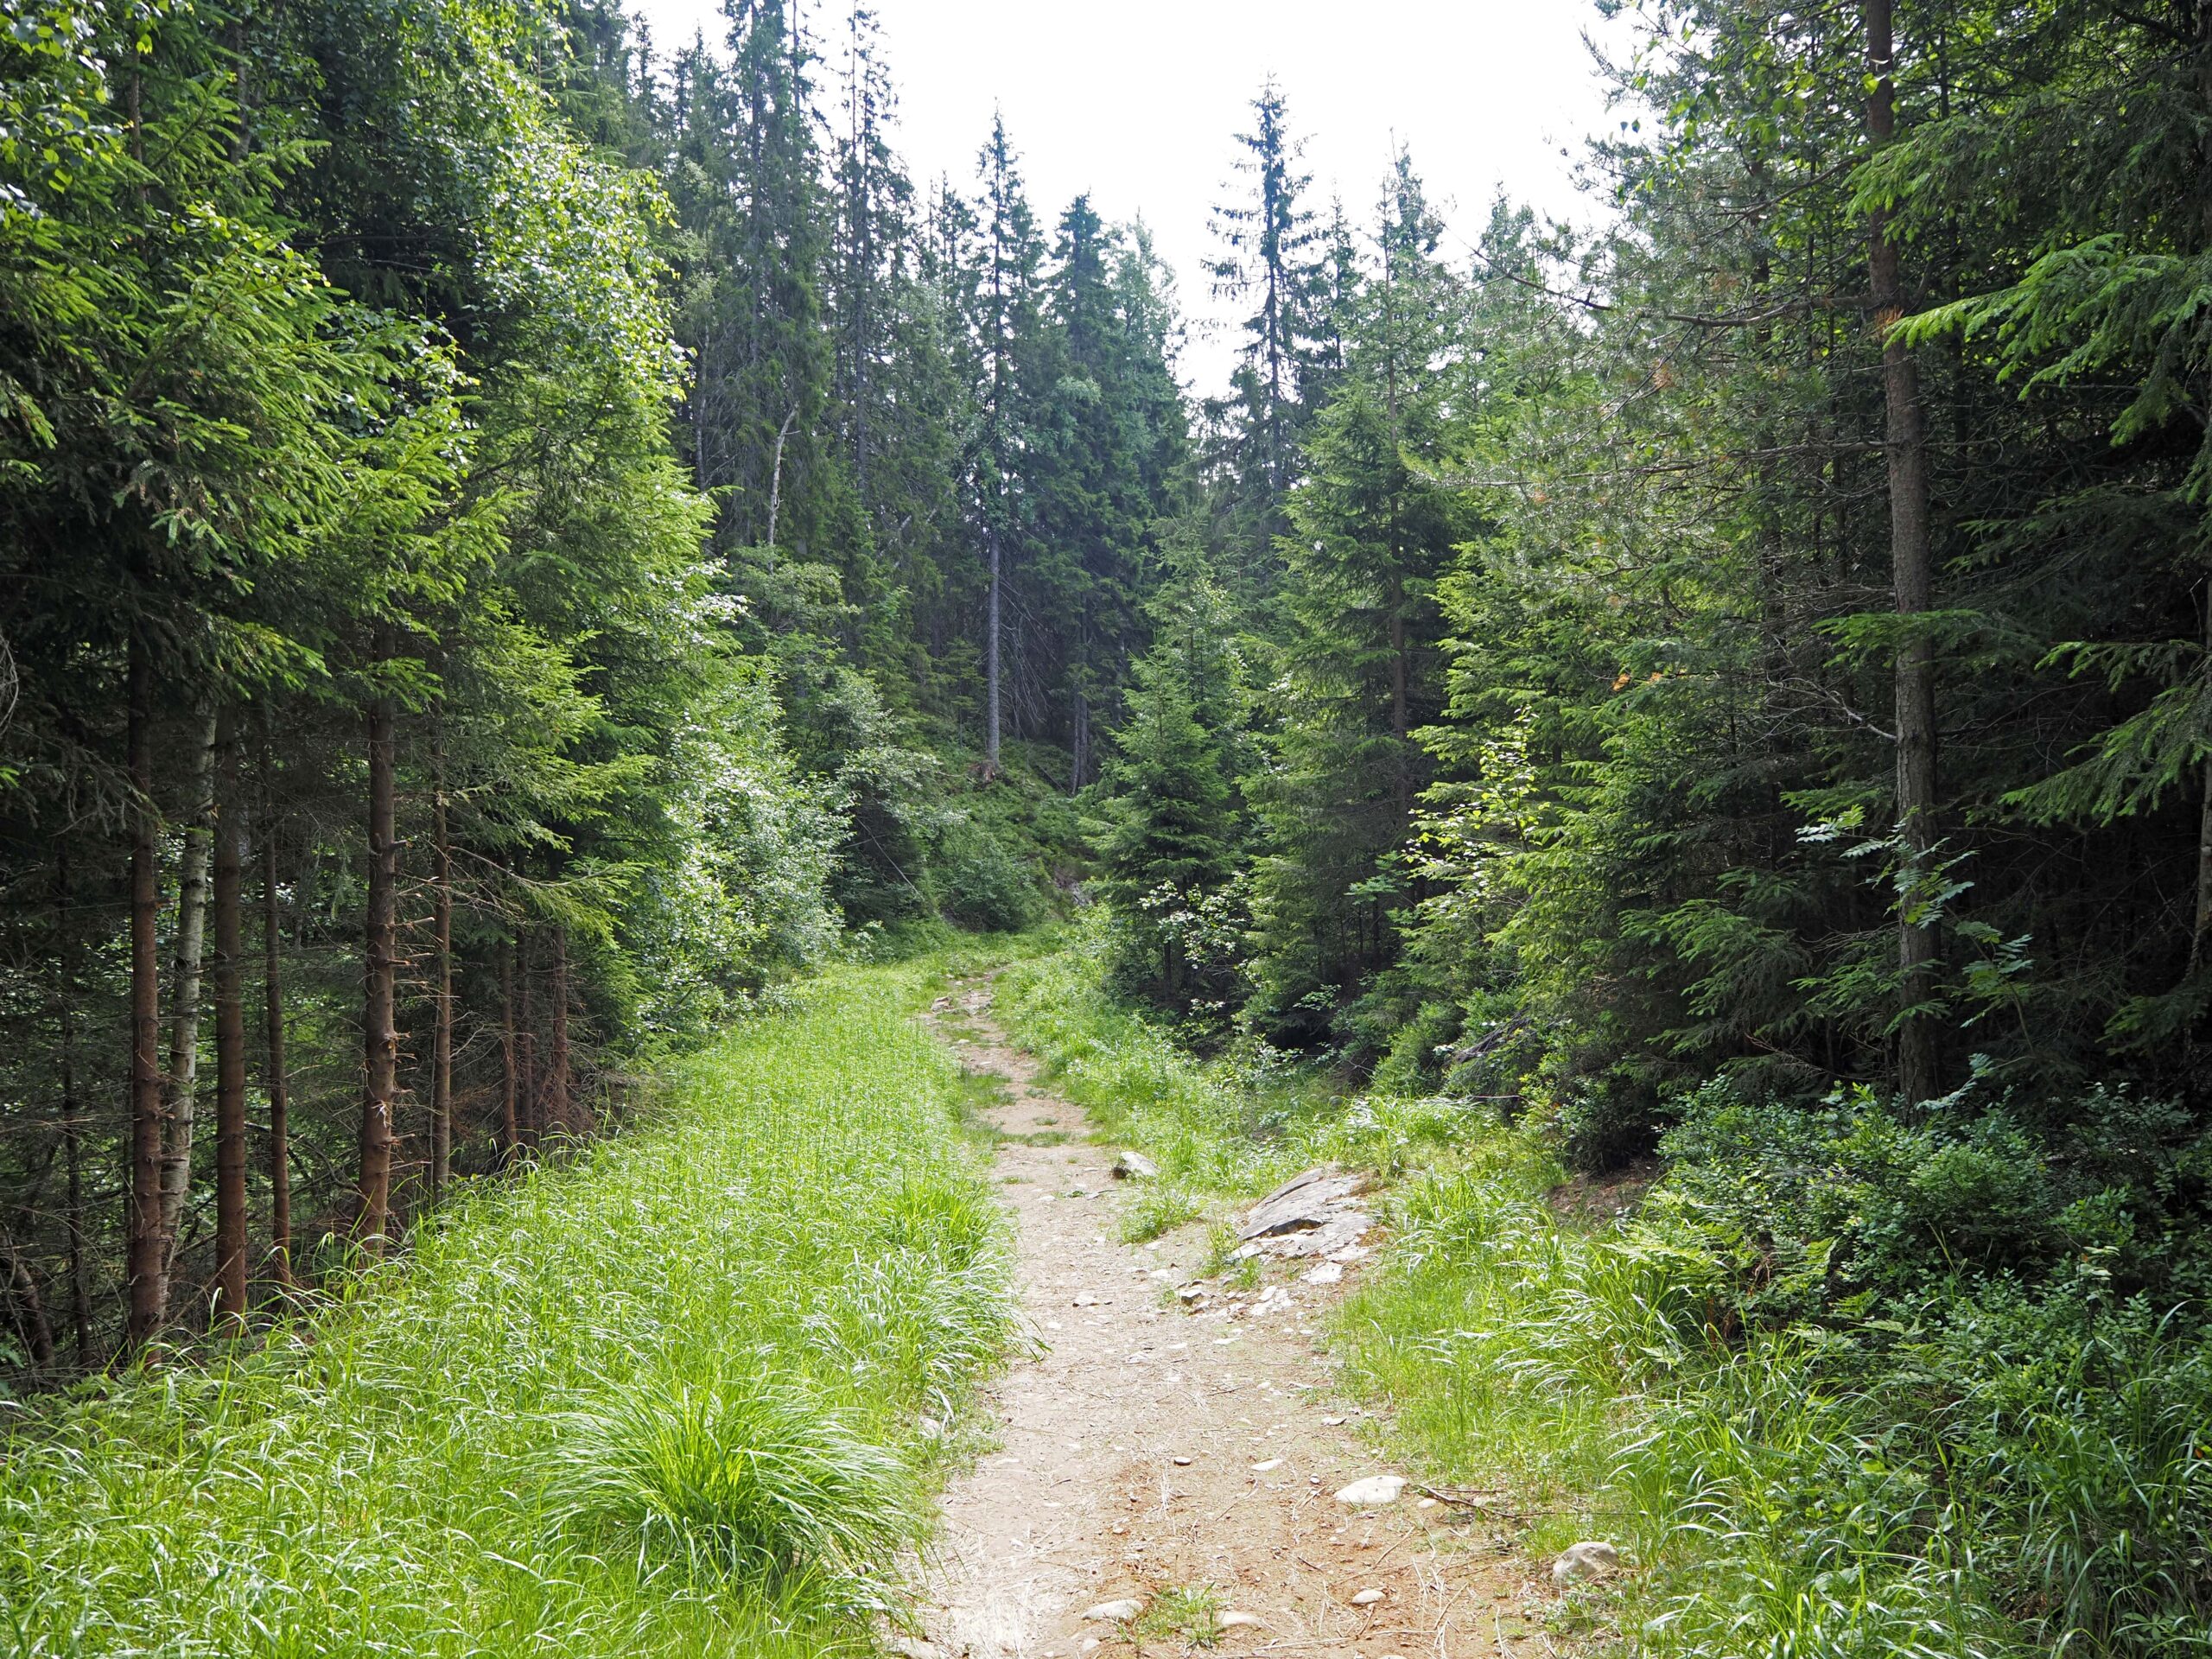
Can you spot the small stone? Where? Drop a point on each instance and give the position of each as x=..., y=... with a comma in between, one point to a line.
x=1271, y=1465
x=1134, y=1165
x=1182, y=1462
x=909, y=1648
x=1367, y=1598
x=1327, y=1274
x=1189, y=1292
x=1084, y=1299
x=1589, y=1560
x=1332, y=1421
x=1119, y=1611
x=1239, y=1621
x=1372, y=1493
x=1426, y=1504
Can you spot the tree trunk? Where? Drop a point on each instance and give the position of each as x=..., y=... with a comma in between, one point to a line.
x=533, y=1115
x=776, y=482
x=991, y=666
x=1919, y=1034
x=180, y=1090
x=230, y=1039
x=2203, y=928
x=380, y=1031
x=146, y=1269
x=1401, y=778
x=37, y=1329
x=510, y=1057
x=441, y=1046
x=73, y=1128
x=274, y=1080
x=1079, y=741
x=557, y=1112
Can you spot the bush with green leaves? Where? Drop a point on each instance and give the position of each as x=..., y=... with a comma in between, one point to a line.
x=1850, y=1382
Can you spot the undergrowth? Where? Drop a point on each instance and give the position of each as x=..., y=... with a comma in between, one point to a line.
x=1842, y=1384
x=1235, y=1124
x=682, y=1395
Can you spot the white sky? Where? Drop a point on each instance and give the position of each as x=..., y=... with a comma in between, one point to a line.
x=1136, y=101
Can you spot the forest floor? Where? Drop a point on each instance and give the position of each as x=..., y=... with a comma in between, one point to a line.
x=1185, y=1457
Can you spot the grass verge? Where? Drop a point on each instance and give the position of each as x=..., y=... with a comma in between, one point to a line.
x=682, y=1395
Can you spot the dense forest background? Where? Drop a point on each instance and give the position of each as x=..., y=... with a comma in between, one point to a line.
x=516, y=547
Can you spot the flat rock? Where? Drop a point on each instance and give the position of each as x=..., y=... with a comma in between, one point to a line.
x=1340, y=1230
x=1327, y=1274
x=1240, y=1621
x=1373, y=1493
x=1302, y=1203
x=1133, y=1166
x=1271, y=1465
x=908, y=1647
x=1367, y=1598
x=1120, y=1611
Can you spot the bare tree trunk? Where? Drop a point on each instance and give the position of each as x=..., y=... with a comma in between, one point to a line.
x=230, y=1038
x=274, y=1081
x=441, y=1046
x=380, y=1031
x=73, y=1128
x=180, y=1090
x=1401, y=784
x=510, y=1056
x=533, y=1114
x=558, y=1111
x=1079, y=741
x=991, y=666
x=1919, y=1035
x=2203, y=928
x=38, y=1330
x=776, y=482
x=145, y=1264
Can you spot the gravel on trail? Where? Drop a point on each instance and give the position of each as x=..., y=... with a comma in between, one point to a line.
x=1175, y=1446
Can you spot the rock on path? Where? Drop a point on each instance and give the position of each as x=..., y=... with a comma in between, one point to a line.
x=1167, y=1437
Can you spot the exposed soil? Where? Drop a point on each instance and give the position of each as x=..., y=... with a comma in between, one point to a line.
x=1177, y=1454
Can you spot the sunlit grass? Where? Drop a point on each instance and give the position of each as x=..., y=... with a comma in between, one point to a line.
x=667, y=1398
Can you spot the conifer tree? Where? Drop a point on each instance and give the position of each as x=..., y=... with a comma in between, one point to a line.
x=1373, y=529
x=1267, y=262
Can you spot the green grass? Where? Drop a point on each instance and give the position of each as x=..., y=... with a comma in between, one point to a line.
x=1189, y=1613
x=1218, y=1128
x=682, y=1395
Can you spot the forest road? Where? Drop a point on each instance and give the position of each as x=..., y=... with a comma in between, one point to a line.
x=1179, y=1456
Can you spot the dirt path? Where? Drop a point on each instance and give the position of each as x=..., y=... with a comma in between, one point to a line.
x=1184, y=1459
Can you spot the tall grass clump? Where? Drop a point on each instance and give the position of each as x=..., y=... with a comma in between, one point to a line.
x=677, y=1396
x=733, y=1472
